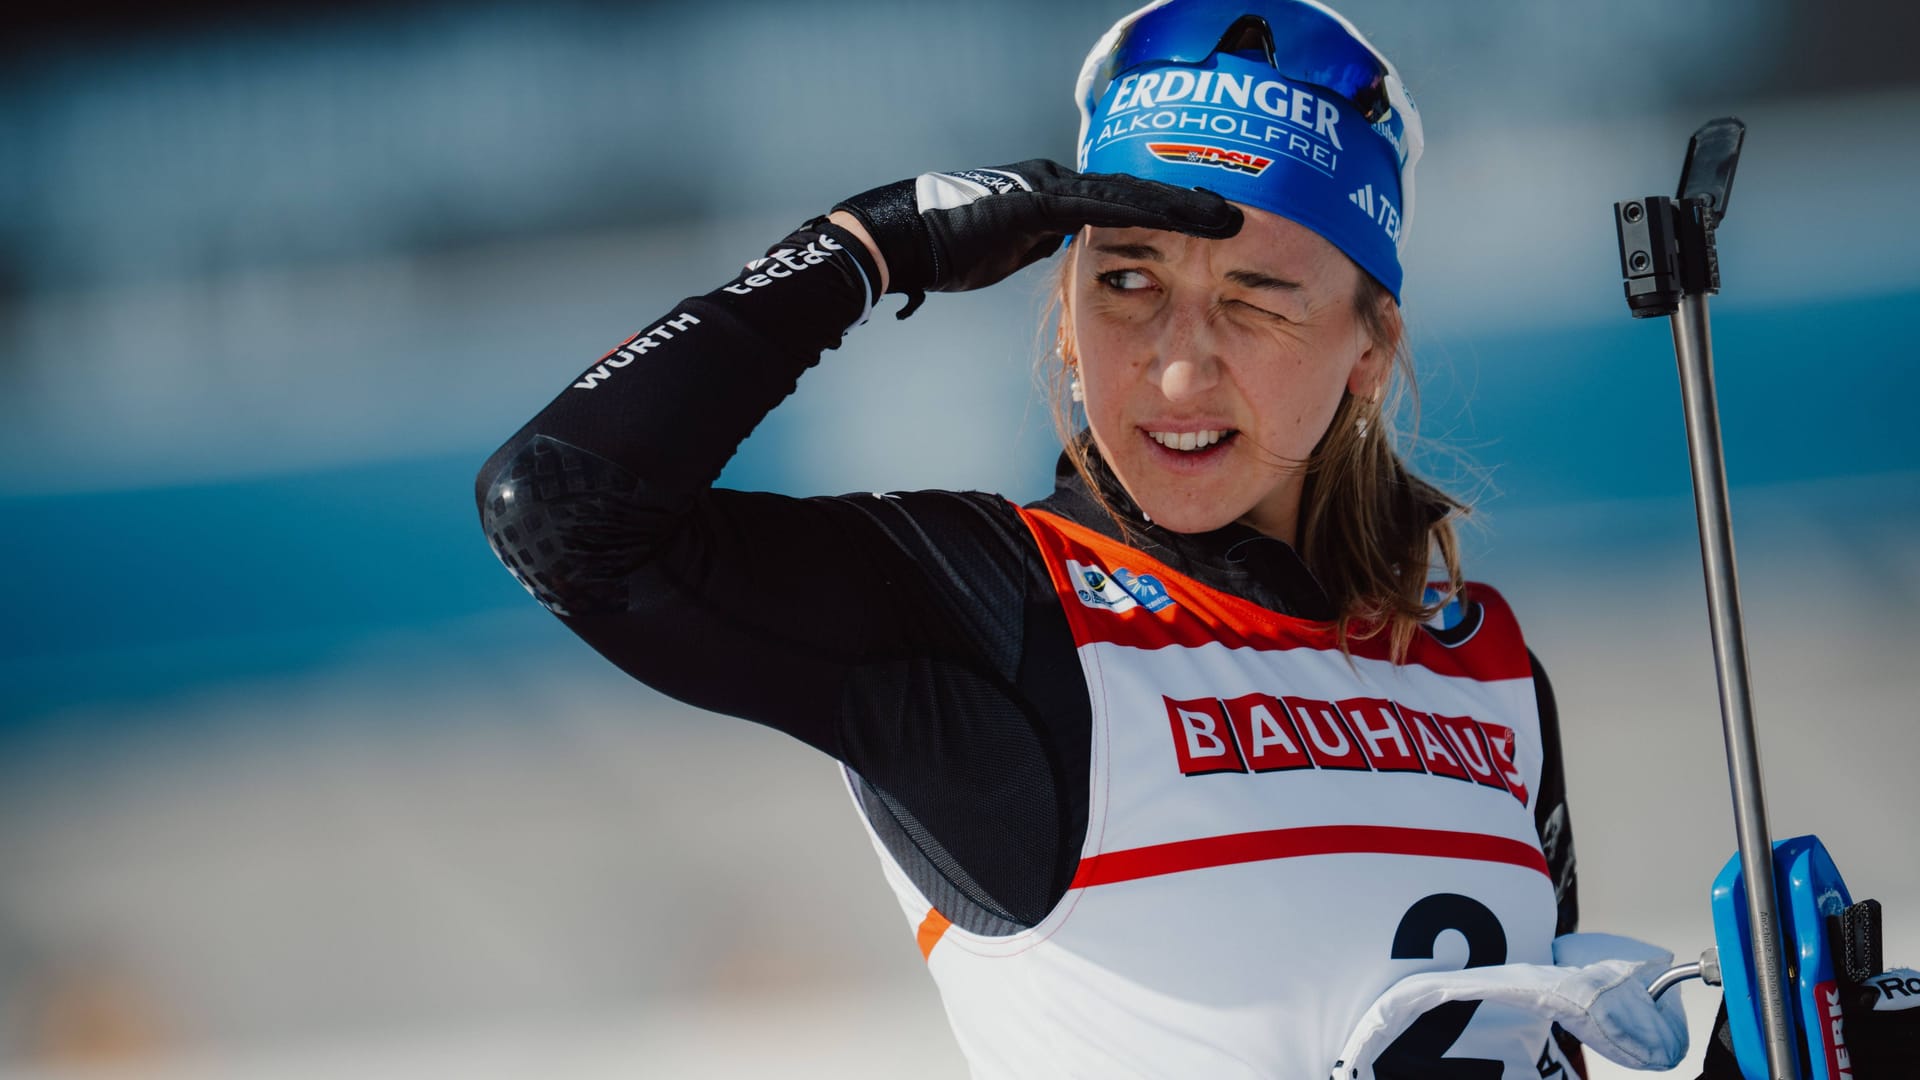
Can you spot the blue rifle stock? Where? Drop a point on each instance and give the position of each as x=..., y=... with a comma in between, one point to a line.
x=1811, y=892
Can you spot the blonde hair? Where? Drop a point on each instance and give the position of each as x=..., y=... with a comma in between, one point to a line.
x=1369, y=527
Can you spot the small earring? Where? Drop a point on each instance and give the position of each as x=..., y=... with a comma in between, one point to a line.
x=1360, y=423
x=1074, y=389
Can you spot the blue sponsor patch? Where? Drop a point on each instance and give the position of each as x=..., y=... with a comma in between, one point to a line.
x=1144, y=588
x=1450, y=616
x=1457, y=622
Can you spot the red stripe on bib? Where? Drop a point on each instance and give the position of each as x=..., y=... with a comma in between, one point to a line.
x=1183, y=855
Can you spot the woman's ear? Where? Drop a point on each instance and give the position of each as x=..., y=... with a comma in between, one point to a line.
x=1069, y=266
x=1379, y=342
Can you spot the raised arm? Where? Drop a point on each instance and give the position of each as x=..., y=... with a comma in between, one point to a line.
x=602, y=504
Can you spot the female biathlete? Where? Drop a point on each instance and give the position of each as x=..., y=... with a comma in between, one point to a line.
x=1186, y=769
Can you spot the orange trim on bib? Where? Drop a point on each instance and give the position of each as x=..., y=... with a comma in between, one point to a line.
x=932, y=928
x=1201, y=615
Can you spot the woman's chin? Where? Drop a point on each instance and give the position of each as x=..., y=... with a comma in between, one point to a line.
x=1176, y=515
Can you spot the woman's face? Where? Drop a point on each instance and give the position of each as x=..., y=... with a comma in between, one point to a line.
x=1211, y=368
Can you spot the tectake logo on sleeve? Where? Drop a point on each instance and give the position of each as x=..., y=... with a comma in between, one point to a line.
x=783, y=263
x=1259, y=733
x=1122, y=590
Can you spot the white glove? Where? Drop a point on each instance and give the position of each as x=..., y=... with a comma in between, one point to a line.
x=1596, y=989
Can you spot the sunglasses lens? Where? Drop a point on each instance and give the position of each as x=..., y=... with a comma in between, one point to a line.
x=1302, y=42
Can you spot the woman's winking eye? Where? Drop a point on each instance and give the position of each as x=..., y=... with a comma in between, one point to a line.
x=1258, y=310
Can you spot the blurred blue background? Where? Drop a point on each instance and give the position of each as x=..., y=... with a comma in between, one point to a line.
x=293, y=775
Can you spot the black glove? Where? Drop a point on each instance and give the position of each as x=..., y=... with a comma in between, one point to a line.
x=955, y=231
x=1879, y=1008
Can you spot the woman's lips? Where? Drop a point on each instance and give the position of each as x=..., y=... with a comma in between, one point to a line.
x=1207, y=446
x=1188, y=440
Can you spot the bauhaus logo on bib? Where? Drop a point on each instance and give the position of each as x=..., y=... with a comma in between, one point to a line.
x=1260, y=733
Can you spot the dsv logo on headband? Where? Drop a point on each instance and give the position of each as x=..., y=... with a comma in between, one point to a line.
x=1202, y=154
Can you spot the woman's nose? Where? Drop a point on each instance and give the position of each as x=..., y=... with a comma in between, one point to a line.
x=1187, y=365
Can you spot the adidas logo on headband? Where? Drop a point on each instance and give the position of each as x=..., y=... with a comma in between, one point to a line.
x=1379, y=208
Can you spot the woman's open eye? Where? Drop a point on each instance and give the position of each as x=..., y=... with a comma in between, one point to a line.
x=1124, y=280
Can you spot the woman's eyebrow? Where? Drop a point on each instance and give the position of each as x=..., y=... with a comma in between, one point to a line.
x=1132, y=251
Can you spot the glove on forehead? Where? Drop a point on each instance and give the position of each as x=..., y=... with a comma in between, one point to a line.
x=969, y=228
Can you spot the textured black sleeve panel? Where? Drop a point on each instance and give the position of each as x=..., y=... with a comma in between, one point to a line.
x=1550, y=811
x=755, y=605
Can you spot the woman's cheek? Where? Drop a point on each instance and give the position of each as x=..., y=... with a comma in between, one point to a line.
x=1107, y=345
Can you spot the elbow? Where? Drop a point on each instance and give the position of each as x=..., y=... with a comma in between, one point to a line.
x=502, y=504
x=564, y=522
